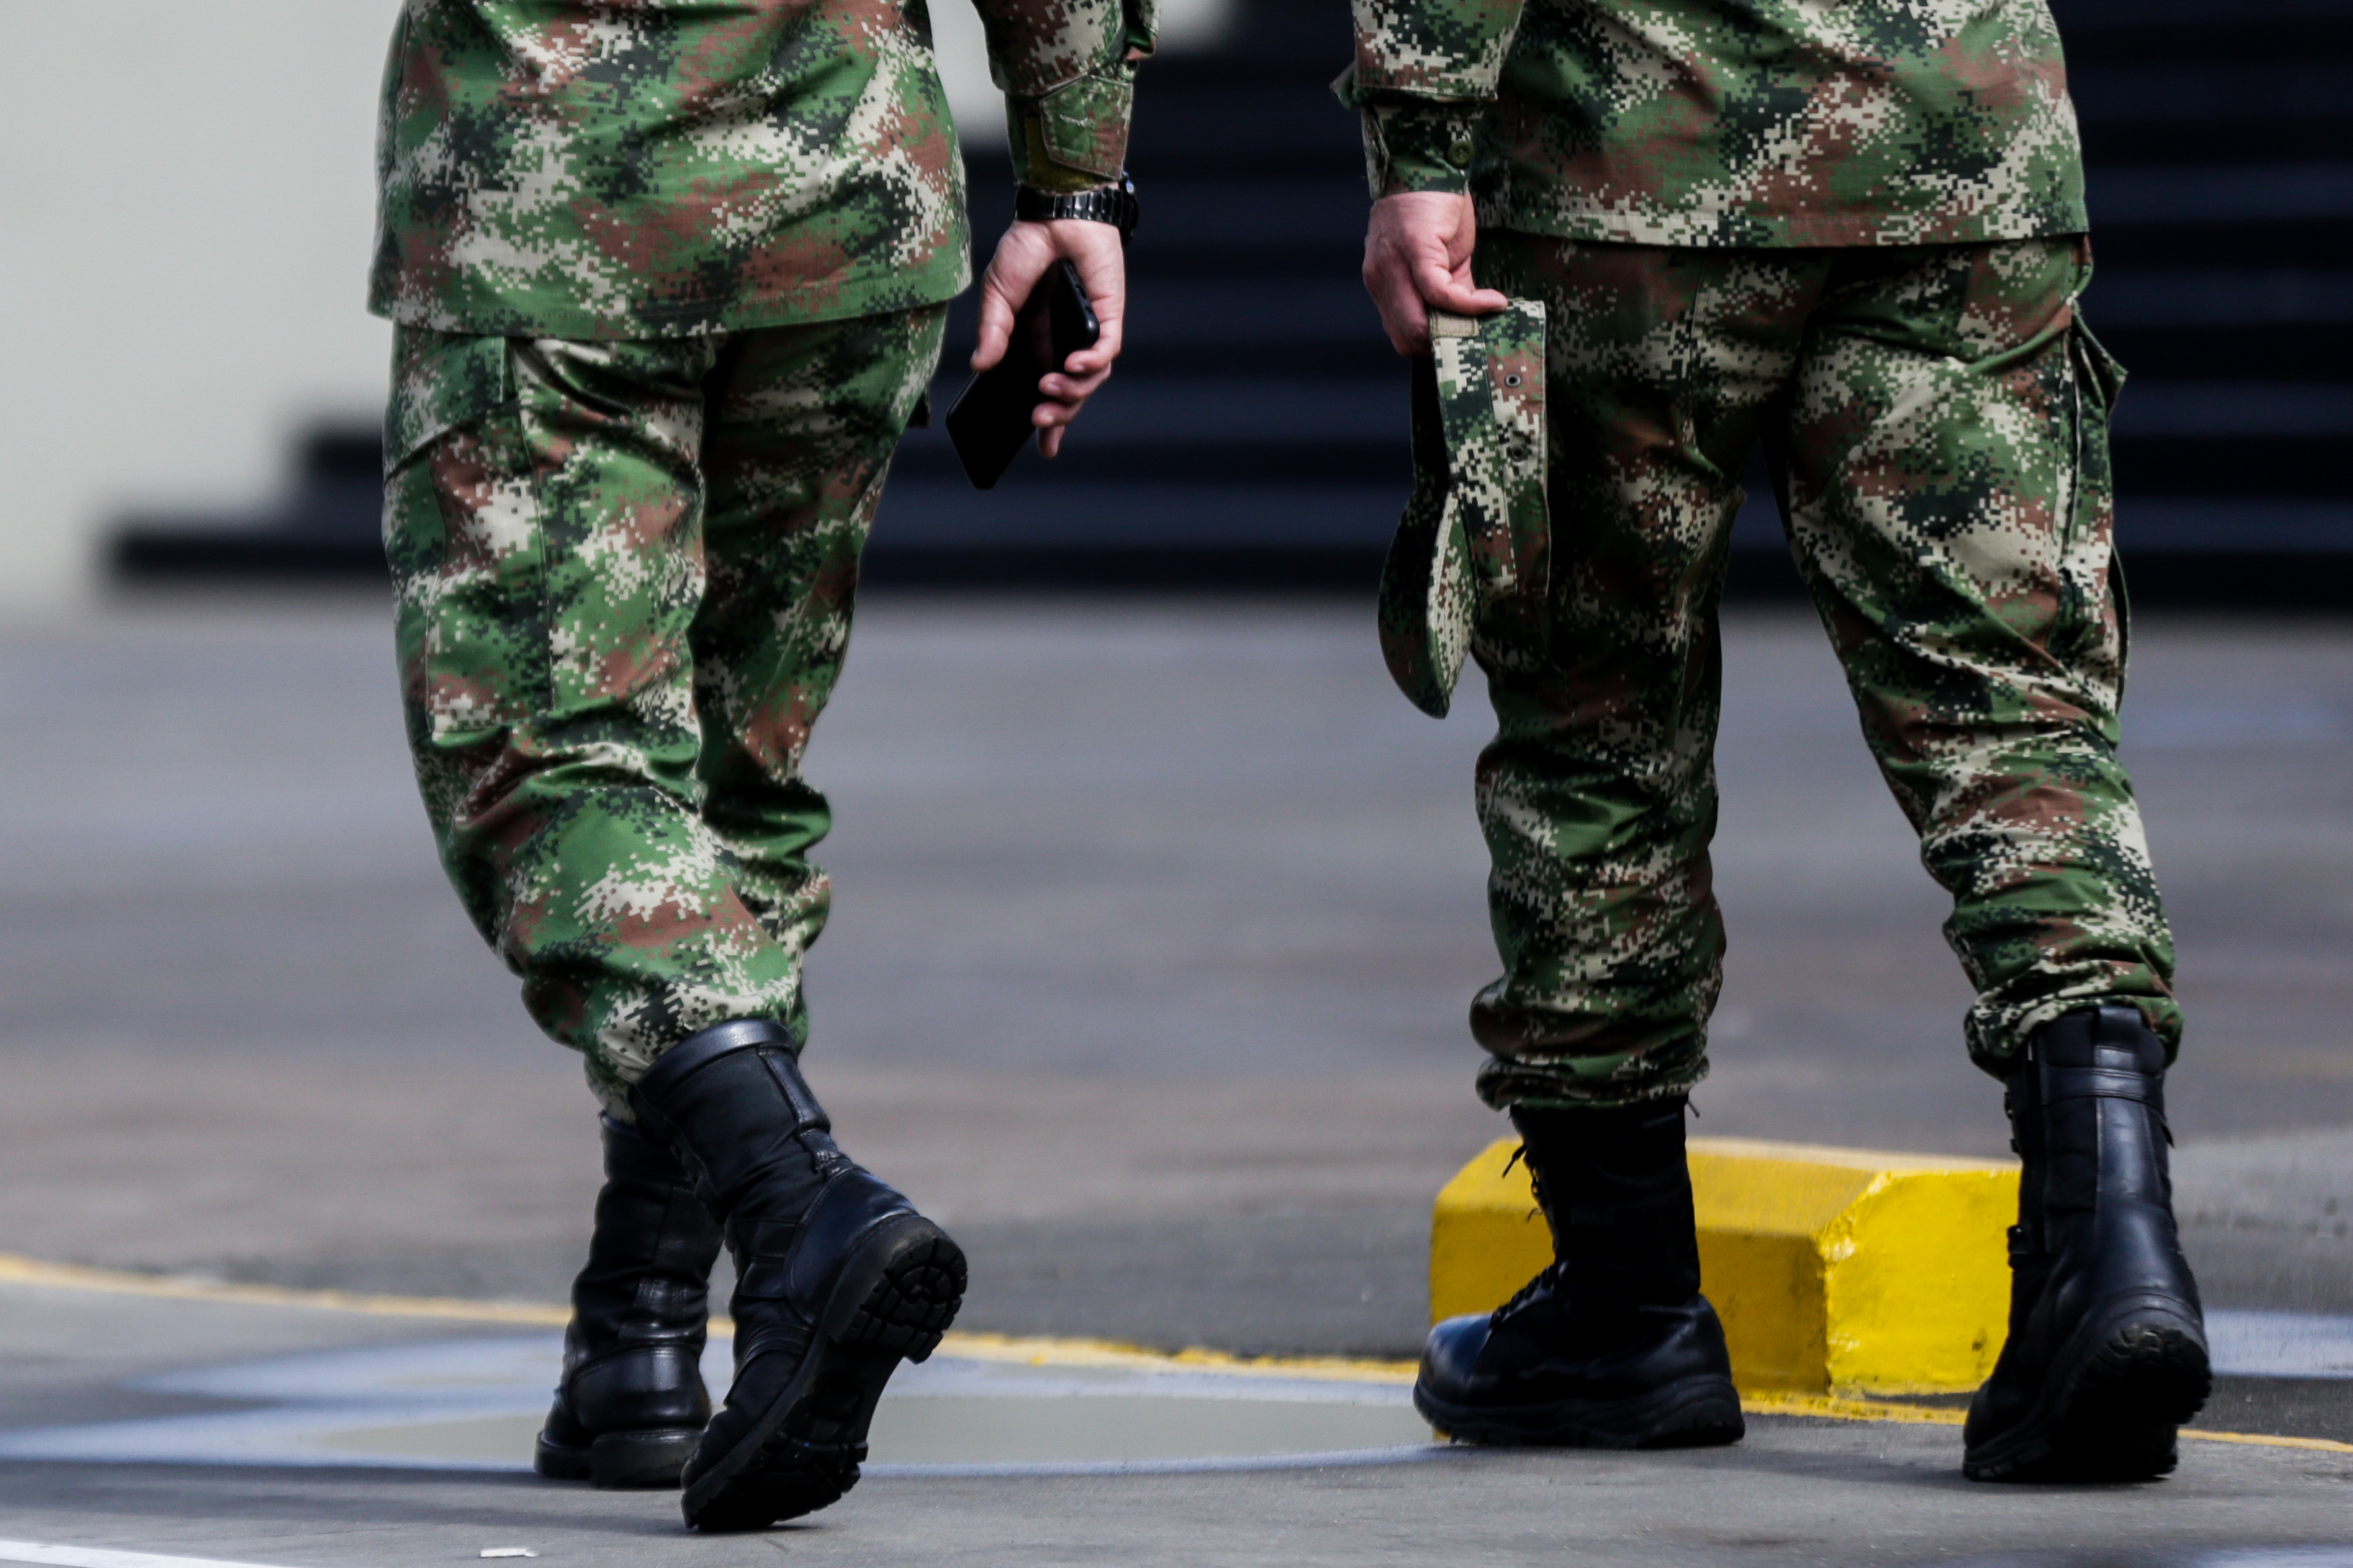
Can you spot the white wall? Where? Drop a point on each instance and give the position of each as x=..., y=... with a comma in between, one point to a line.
x=185, y=201
x=963, y=58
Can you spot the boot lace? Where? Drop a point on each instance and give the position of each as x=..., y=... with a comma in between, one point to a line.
x=1535, y=1177
x=1553, y=1278
x=1554, y=1275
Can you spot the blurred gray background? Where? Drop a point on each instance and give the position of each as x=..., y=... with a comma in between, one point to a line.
x=1254, y=438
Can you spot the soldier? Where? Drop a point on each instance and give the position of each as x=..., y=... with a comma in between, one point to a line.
x=668, y=282
x=1643, y=236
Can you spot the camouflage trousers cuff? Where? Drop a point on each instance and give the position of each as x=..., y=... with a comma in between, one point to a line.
x=1562, y=1086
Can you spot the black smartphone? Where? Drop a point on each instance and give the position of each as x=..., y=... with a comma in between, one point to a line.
x=990, y=422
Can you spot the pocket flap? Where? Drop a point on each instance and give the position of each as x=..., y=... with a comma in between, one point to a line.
x=1084, y=124
x=439, y=382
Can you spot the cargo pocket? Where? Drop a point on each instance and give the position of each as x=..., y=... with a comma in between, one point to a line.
x=2099, y=377
x=1470, y=560
x=440, y=381
x=2092, y=567
x=462, y=536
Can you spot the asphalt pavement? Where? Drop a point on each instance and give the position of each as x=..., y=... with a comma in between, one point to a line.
x=267, y=1434
x=1155, y=927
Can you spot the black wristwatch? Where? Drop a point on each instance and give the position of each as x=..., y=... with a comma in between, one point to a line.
x=1113, y=204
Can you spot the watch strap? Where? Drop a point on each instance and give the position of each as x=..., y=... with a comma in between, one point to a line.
x=1113, y=204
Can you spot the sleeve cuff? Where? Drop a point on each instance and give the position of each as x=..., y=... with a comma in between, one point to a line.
x=1420, y=146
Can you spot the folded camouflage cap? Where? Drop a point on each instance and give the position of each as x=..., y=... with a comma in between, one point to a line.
x=1471, y=551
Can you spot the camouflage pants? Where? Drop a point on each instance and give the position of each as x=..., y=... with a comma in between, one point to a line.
x=1936, y=421
x=625, y=574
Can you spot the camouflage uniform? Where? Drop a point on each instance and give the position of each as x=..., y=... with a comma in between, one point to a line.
x=559, y=168
x=1855, y=236
x=669, y=283
x=1717, y=122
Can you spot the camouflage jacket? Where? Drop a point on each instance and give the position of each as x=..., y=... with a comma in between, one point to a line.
x=610, y=169
x=1726, y=123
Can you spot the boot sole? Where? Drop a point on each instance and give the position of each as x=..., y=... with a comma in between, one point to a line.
x=620, y=1461
x=896, y=1297
x=2113, y=1418
x=1692, y=1413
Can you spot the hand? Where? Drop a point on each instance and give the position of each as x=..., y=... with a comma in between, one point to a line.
x=1022, y=258
x=1416, y=258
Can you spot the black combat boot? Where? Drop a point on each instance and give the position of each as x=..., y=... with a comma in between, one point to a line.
x=2107, y=1353
x=631, y=1402
x=1612, y=1346
x=838, y=1277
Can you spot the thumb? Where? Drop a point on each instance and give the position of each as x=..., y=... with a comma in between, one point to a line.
x=1445, y=289
x=996, y=325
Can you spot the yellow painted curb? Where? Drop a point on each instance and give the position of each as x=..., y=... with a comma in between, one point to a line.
x=1034, y=1350
x=19, y=1270
x=1025, y=1350
x=1837, y=1272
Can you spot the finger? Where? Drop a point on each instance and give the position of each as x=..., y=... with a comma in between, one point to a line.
x=1022, y=259
x=1403, y=314
x=1093, y=250
x=1054, y=411
x=1111, y=335
x=1066, y=392
x=1107, y=292
x=1113, y=338
x=1439, y=286
x=1096, y=360
x=1464, y=299
x=1072, y=389
x=996, y=325
x=1049, y=442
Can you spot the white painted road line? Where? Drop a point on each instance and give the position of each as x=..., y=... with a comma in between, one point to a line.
x=103, y=1557
x=2280, y=1344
